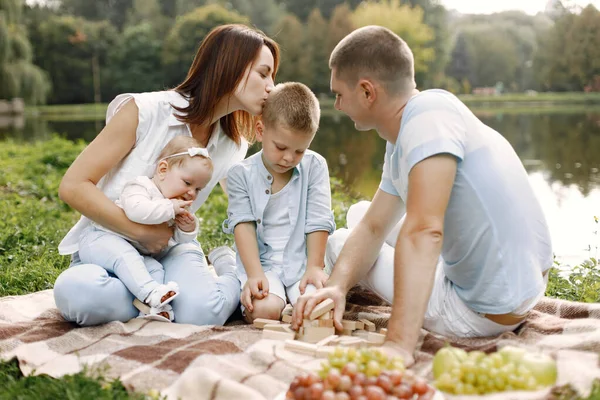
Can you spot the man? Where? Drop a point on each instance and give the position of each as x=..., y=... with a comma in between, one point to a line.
x=467, y=243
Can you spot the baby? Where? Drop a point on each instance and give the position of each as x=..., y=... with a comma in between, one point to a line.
x=183, y=168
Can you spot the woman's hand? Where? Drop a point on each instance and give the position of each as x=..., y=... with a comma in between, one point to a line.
x=154, y=238
x=255, y=287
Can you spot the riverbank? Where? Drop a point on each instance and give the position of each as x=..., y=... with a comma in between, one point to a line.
x=511, y=102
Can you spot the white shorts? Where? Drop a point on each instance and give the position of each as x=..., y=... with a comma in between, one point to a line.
x=287, y=294
x=446, y=313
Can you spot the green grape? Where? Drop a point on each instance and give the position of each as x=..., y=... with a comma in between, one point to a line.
x=531, y=383
x=499, y=382
x=373, y=368
x=476, y=356
x=469, y=389
x=497, y=360
x=459, y=388
x=470, y=378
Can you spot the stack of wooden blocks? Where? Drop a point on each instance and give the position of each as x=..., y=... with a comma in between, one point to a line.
x=317, y=336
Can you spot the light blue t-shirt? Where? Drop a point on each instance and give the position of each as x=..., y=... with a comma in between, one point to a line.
x=496, y=240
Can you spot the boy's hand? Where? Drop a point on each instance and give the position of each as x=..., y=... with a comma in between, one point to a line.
x=186, y=221
x=255, y=287
x=179, y=206
x=313, y=275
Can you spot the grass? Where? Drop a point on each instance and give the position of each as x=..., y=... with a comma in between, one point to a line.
x=34, y=221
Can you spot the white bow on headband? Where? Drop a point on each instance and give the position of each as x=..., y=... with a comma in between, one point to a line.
x=192, y=151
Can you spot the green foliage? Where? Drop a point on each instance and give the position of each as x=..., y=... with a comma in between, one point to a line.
x=18, y=76
x=182, y=42
x=403, y=20
x=136, y=60
x=290, y=38
x=84, y=385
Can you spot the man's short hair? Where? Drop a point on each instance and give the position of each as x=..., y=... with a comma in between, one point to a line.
x=294, y=106
x=375, y=52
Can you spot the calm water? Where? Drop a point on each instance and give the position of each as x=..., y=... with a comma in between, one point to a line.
x=561, y=152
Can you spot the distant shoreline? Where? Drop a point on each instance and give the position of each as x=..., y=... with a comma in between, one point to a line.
x=511, y=102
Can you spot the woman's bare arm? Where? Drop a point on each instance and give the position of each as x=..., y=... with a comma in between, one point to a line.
x=78, y=186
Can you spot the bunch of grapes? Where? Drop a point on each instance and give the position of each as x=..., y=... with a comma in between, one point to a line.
x=458, y=372
x=365, y=374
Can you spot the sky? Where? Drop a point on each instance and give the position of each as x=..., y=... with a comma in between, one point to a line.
x=490, y=6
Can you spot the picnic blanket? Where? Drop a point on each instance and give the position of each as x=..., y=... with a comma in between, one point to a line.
x=233, y=362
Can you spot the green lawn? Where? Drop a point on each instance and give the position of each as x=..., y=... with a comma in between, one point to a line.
x=34, y=220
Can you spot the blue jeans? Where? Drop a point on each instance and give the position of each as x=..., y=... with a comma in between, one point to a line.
x=141, y=274
x=88, y=294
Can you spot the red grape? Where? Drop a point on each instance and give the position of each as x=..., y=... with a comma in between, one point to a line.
x=350, y=369
x=356, y=391
x=420, y=386
x=345, y=383
x=316, y=390
x=385, y=383
x=396, y=377
x=334, y=378
x=342, y=396
x=328, y=395
x=375, y=393
x=359, y=379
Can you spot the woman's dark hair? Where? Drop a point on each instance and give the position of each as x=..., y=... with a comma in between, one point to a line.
x=218, y=68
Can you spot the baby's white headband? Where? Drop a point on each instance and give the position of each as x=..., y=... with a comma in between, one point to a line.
x=192, y=151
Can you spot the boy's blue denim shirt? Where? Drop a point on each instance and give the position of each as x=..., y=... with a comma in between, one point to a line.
x=249, y=189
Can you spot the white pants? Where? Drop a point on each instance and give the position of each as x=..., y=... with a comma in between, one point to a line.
x=446, y=313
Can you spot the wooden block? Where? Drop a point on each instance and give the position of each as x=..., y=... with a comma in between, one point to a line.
x=383, y=331
x=315, y=334
x=327, y=315
x=352, y=342
x=369, y=326
x=347, y=332
x=275, y=335
x=325, y=323
x=321, y=309
x=361, y=334
x=360, y=325
x=376, y=338
x=324, y=351
x=286, y=318
x=261, y=322
x=279, y=328
x=141, y=306
x=309, y=323
x=327, y=340
x=349, y=325
x=287, y=310
x=301, y=347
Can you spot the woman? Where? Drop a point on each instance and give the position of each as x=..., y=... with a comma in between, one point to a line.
x=228, y=82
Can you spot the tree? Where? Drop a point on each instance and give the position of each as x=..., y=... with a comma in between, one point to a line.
x=149, y=12
x=135, y=63
x=190, y=29
x=303, y=8
x=75, y=51
x=340, y=25
x=19, y=77
x=460, y=60
x=569, y=53
x=315, y=59
x=403, y=20
x=291, y=44
x=114, y=11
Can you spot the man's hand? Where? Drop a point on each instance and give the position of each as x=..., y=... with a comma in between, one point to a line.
x=255, y=287
x=314, y=275
x=393, y=349
x=186, y=221
x=306, y=303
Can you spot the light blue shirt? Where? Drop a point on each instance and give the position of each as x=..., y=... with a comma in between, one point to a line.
x=249, y=189
x=496, y=240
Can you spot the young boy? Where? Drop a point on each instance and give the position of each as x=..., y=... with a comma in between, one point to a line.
x=280, y=206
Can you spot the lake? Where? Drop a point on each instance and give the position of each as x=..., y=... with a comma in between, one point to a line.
x=560, y=150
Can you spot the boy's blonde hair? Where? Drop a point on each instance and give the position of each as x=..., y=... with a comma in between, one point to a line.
x=375, y=52
x=293, y=105
x=180, y=144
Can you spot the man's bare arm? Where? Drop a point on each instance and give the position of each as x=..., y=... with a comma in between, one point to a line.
x=364, y=242
x=419, y=246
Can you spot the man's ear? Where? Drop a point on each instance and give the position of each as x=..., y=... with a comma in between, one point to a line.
x=162, y=168
x=260, y=127
x=368, y=91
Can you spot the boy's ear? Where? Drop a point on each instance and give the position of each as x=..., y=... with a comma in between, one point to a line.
x=260, y=127
x=162, y=168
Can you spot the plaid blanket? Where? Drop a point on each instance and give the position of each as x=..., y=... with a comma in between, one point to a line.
x=232, y=362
